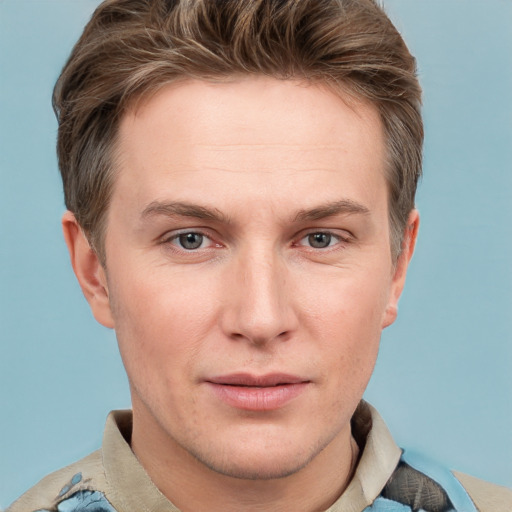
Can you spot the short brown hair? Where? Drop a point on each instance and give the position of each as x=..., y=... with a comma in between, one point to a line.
x=132, y=47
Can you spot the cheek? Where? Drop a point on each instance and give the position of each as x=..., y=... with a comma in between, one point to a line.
x=345, y=302
x=160, y=321
x=344, y=316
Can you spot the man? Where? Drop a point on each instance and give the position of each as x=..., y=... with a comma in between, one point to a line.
x=240, y=178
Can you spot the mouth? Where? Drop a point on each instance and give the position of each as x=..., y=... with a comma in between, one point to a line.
x=257, y=393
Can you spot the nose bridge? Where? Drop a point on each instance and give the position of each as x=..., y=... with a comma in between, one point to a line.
x=260, y=306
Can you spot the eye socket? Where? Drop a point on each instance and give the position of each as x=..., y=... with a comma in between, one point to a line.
x=320, y=240
x=190, y=241
x=191, y=245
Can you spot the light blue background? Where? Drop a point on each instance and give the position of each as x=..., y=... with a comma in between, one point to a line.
x=443, y=381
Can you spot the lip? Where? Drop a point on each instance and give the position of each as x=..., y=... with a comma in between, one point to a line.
x=257, y=392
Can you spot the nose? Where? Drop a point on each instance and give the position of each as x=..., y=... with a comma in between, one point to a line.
x=259, y=306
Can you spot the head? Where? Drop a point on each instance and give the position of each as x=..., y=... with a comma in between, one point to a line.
x=240, y=178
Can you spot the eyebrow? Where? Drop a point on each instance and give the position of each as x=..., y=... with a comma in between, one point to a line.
x=343, y=207
x=171, y=209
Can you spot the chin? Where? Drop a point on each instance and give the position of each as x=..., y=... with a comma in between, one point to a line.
x=262, y=468
x=278, y=457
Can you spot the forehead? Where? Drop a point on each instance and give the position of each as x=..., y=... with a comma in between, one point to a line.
x=256, y=134
x=300, y=112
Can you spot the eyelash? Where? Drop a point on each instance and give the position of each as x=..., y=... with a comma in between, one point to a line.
x=173, y=241
x=168, y=240
x=339, y=240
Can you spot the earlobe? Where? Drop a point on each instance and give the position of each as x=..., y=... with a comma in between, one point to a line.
x=400, y=271
x=88, y=270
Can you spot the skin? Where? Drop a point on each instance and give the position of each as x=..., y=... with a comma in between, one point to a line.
x=256, y=167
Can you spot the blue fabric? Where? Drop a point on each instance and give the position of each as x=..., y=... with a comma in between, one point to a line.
x=458, y=495
x=420, y=485
x=385, y=505
x=86, y=501
x=81, y=500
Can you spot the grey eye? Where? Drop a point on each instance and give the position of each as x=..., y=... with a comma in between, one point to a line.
x=319, y=240
x=191, y=241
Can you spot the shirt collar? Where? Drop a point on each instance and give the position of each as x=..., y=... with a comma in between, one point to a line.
x=132, y=489
x=379, y=458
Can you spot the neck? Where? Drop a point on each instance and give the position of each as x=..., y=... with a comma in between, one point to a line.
x=192, y=486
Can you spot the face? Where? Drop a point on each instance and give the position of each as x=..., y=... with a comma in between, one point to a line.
x=248, y=269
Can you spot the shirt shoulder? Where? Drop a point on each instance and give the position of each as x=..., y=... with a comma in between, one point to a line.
x=486, y=496
x=78, y=484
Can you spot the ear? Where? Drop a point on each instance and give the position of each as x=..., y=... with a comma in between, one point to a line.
x=400, y=270
x=88, y=270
